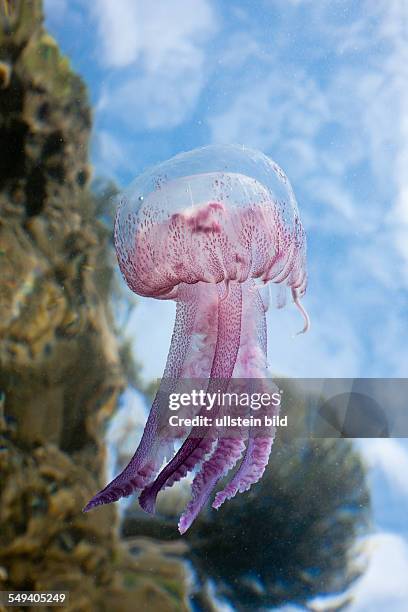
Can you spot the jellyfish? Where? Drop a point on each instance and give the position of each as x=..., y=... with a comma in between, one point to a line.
x=212, y=229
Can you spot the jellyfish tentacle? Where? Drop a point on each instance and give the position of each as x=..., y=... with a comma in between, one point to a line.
x=151, y=452
x=303, y=312
x=226, y=351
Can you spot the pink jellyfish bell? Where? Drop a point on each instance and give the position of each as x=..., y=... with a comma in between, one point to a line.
x=209, y=229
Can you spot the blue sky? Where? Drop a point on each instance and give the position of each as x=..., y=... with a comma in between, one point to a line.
x=322, y=87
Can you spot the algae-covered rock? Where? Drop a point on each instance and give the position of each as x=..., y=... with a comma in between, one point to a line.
x=53, y=322
x=60, y=366
x=46, y=544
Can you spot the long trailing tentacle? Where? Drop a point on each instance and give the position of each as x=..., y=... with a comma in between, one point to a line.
x=303, y=312
x=226, y=351
x=151, y=452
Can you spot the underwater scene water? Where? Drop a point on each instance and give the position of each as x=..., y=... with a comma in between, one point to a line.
x=203, y=298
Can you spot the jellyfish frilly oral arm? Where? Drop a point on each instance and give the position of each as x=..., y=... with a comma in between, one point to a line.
x=226, y=454
x=258, y=449
x=226, y=351
x=250, y=471
x=151, y=452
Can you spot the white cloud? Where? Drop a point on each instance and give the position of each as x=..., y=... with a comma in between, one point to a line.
x=284, y=115
x=384, y=585
x=391, y=458
x=120, y=31
x=110, y=154
x=153, y=101
x=333, y=194
x=265, y=110
x=161, y=34
x=156, y=53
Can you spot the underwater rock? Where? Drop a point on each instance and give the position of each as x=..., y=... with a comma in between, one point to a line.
x=41, y=494
x=53, y=322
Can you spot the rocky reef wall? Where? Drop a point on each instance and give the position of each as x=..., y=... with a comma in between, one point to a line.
x=60, y=370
